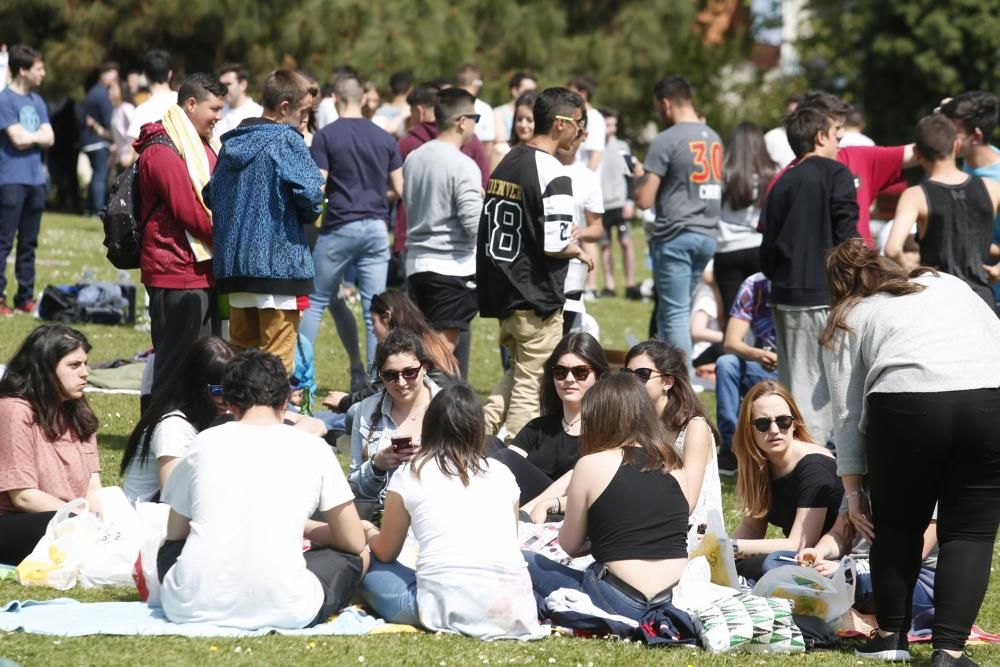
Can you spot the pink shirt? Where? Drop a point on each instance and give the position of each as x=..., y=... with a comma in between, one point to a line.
x=29, y=460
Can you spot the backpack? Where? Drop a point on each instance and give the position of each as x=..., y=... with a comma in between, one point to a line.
x=121, y=216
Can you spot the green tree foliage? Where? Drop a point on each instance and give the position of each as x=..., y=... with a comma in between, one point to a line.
x=898, y=59
x=625, y=46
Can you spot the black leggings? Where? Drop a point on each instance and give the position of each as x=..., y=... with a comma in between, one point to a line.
x=530, y=479
x=730, y=270
x=19, y=533
x=924, y=449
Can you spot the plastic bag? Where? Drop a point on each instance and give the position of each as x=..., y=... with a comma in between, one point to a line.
x=112, y=556
x=717, y=549
x=811, y=592
x=56, y=559
x=153, y=528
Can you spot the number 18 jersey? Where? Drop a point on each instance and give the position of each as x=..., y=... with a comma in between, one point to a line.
x=527, y=212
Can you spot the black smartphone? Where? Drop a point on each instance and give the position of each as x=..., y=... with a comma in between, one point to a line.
x=402, y=442
x=629, y=163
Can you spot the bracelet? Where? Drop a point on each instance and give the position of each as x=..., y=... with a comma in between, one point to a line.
x=854, y=493
x=559, y=509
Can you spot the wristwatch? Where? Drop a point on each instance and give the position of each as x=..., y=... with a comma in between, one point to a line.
x=736, y=550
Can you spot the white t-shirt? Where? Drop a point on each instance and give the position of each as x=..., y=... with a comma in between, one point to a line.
x=326, y=113
x=172, y=436
x=486, y=127
x=471, y=576
x=233, y=117
x=704, y=299
x=151, y=111
x=587, y=197
x=597, y=132
x=776, y=142
x=248, y=491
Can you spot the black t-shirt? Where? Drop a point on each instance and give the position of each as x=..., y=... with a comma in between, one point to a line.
x=813, y=482
x=551, y=449
x=528, y=211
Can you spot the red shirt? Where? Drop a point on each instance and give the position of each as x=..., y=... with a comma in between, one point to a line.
x=874, y=169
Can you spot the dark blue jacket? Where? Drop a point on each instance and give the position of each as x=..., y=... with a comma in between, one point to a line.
x=265, y=187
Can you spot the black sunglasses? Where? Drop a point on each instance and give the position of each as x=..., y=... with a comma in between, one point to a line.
x=581, y=373
x=642, y=373
x=473, y=116
x=409, y=374
x=215, y=390
x=763, y=424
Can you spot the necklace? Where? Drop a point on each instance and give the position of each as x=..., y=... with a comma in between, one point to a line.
x=568, y=425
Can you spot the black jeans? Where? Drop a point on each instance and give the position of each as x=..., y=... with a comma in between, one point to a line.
x=21, y=209
x=178, y=318
x=19, y=533
x=730, y=270
x=338, y=572
x=924, y=449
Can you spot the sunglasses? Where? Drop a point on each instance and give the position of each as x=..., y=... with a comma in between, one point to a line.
x=392, y=377
x=643, y=373
x=474, y=117
x=580, y=125
x=581, y=373
x=215, y=390
x=763, y=424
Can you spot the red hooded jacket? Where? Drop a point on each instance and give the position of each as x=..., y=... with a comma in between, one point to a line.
x=170, y=207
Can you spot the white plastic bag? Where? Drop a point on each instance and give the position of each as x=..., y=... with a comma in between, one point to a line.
x=811, y=592
x=717, y=549
x=153, y=527
x=56, y=559
x=112, y=556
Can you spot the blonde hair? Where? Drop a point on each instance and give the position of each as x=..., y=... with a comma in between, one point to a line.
x=753, y=486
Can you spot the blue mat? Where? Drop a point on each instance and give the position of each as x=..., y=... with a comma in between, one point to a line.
x=69, y=618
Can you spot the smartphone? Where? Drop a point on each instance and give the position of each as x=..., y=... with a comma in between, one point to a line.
x=629, y=163
x=402, y=442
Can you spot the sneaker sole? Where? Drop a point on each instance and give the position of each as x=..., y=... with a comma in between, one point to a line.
x=894, y=655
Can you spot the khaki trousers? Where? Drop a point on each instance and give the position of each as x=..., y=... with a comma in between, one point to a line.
x=269, y=329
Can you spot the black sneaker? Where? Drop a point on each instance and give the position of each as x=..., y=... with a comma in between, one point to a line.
x=359, y=379
x=608, y=292
x=632, y=293
x=727, y=464
x=942, y=659
x=893, y=648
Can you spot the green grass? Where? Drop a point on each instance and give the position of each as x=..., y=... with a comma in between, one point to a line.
x=71, y=245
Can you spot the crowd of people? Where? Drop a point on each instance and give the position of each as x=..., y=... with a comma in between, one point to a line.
x=857, y=395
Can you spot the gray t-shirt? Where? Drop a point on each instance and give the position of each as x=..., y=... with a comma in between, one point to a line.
x=688, y=159
x=614, y=187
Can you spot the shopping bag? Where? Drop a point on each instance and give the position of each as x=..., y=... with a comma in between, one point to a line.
x=811, y=592
x=56, y=559
x=153, y=527
x=110, y=560
x=717, y=549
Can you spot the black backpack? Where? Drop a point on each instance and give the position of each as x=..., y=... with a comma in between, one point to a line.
x=121, y=216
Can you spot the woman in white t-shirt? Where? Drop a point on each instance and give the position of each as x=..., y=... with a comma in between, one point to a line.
x=190, y=401
x=461, y=508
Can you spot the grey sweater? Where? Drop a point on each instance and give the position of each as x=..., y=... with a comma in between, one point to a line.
x=944, y=338
x=443, y=195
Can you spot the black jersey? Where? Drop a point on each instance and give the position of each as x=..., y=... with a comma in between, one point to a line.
x=528, y=212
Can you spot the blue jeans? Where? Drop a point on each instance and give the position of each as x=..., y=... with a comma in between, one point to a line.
x=99, y=163
x=677, y=267
x=390, y=589
x=733, y=378
x=363, y=243
x=21, y=209
x=548, y=576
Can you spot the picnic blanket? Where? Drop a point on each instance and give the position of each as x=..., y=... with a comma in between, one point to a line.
x=70, y=618
x=855, y=625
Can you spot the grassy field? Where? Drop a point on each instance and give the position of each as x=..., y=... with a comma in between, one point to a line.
x=68, y=247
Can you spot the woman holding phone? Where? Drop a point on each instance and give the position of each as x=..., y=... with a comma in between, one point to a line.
x=387, y=430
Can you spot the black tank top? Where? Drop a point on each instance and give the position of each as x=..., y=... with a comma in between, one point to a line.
x=640, y=515
x=959, y=232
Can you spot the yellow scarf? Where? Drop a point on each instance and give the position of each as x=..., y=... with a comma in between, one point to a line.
x=190, y=146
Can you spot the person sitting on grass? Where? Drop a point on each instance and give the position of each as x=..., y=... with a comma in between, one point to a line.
x=190, y=402
x=786, y=480
x=48, y=437
x=240, y=503
x=844, y=540
x=388, y=428
x=662, y=370
x=543, y=454
x=628, y=504
x=461, y=508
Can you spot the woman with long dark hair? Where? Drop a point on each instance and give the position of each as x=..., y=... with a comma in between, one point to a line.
x=747, y=169
x=48, y=436
x=662, y=370
x=462, y=510
x=627, y=503
x=913, y=362
x=190, y=401
x=524, y=118
x=547, y=448
x=786, y=480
